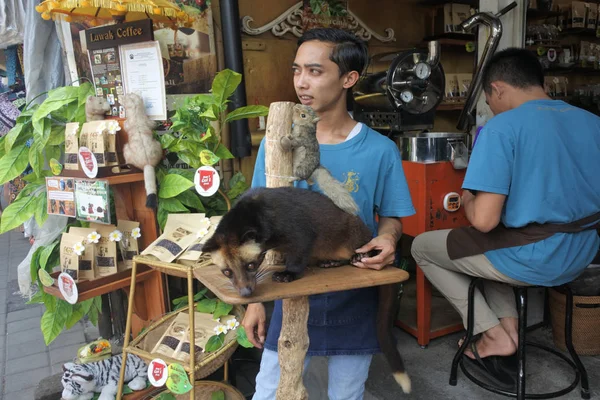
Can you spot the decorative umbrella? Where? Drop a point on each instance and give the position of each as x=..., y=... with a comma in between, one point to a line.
x=118, y=10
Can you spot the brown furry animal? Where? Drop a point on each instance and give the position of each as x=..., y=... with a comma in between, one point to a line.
x=307, y=158
x=96, y=108
x=142, y=150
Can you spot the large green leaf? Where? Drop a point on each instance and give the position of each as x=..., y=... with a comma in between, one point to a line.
x=223, y=152
x=40, y=115
x=36, y=158
x=247, y=112
x=37, y=298
x=87, y=305
x=166, y=140
x=17, y=213
x=75, y=316
x=224, y=85
x=57, y=135
x=13, y=163
x=12, y=136
x=172, y=185
x=190, y=199
x=85, y=90
x=53, y=322
x=53, y=152
x=29, y=189
x=215, y=342
x=2, y=149
x=207, y=306
x=45, y=254
x=221, y=309
x=242, y=337
x=187, y=173
x=63, y=93
x=41, y=209
x=172, y=205
x=161, y=216
x=34, y=264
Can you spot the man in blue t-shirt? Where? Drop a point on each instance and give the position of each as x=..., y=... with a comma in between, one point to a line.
x=535, y=162
x=341, y=325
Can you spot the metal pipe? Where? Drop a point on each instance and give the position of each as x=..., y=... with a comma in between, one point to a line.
x=493, y=23
x=434, y=53
x=241, y=143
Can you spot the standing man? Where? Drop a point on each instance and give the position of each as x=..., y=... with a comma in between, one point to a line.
x=533, y=199
x=341, y=325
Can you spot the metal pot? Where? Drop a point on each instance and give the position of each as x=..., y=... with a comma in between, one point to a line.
x=432, y=147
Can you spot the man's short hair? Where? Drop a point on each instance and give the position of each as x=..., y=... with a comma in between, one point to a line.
x=349, y=52
x=518, y=67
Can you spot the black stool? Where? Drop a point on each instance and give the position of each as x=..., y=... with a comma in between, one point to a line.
x=521, y=292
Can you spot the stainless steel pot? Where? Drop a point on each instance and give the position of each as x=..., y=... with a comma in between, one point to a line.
x=432, y=147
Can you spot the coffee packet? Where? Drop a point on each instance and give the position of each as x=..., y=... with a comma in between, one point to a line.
x=193, y=253
x=106, y=248
x=79, y=267
x=72, y=146
x=129, y=243
x=87, y=262
x=93, y=136
x=181, y=230
x=175, y=342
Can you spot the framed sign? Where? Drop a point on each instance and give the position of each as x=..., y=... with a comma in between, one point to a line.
x=142, y=68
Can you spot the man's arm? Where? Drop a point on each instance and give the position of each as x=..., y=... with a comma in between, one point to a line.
x=483, y=210
x=388, y=234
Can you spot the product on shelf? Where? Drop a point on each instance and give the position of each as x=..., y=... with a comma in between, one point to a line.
x=175, y=342
x=194, y=251
x=181, y=230
x=106, y=248
x=129, y=242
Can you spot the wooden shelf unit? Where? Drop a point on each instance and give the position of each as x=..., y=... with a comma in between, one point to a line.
x=150, y=301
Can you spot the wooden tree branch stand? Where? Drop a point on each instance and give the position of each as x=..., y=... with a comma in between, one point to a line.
x=293, y=339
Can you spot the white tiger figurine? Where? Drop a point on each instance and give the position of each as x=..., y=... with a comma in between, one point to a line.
x=81, y=381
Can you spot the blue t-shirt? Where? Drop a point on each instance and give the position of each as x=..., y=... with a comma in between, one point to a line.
x=370, y=167
x=545, y=156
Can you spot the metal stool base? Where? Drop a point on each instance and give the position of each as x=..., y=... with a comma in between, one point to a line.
x=548, y=395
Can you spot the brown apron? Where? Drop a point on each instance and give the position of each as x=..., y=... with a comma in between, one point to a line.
x=468, y=241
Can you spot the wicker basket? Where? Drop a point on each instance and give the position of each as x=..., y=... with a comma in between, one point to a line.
x=586, y=322
x=204, y=390
x=206, y=363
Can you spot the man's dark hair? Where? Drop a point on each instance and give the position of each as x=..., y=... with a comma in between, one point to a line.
x=349, y=52
x=517, y=67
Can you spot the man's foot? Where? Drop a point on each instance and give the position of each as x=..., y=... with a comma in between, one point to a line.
x=511, y=326
x=494, y=342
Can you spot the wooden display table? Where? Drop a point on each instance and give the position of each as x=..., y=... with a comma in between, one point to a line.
x=293, y=339
x=315, y=281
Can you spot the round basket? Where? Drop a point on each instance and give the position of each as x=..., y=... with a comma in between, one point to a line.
x=205, y=389
x=206, y=363
x=585, y=322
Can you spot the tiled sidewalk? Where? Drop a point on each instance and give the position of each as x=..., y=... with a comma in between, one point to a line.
x=24, y=357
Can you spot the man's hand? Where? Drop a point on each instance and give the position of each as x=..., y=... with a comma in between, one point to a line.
x=254, y=323
x=387, y=244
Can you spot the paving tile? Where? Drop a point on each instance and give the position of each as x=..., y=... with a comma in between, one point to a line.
x=67, y=339
x=57, y=368
x=26, y=349
x=17, y=382
x=18, y=338
x=3, y=283
x=23, y=325
x=63, y=354
x=29, y=312
x=27, y=394
x=26, y=363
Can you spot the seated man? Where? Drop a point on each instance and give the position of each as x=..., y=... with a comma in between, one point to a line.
x=533, y=199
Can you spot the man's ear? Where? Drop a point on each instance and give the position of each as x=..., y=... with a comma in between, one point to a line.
x=497, y=89
x=350, y=79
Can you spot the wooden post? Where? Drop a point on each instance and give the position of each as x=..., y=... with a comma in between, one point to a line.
x=293, y=339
